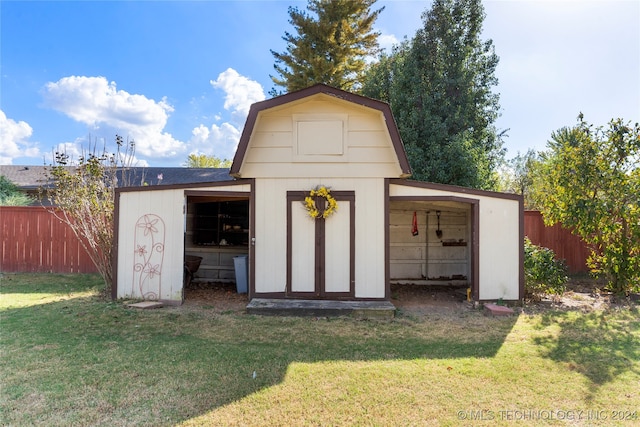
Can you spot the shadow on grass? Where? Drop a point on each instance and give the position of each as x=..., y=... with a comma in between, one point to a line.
x=174, y=364
x=599, y=345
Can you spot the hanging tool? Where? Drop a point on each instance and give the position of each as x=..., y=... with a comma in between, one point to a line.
x=438, y=231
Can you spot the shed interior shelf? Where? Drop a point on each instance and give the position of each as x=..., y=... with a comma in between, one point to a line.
x=221, y=224
x=454, y=243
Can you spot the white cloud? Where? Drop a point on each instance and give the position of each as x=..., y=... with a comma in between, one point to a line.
x=387, y=41
x=240, y=92
x=14, y=140
x=98, y=104
x=221, y=140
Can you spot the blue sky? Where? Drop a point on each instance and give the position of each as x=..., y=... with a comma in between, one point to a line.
x=179, y=77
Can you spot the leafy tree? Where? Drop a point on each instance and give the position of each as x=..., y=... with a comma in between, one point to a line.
x=439, y=85
x=204, y=161
x=333, y=40
x=11, y=195
x=518, y=174
x=590, y=182
x=85, y=196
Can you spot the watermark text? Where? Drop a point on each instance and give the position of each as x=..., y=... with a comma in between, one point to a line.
x=546, y=415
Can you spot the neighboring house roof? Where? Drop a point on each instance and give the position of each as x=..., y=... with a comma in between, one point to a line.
x=25, y=177
x=31, y=178
x=173, y=176
x=258, y=107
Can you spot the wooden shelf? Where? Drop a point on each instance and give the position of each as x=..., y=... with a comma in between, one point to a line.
x=454, y=243
x=214, y=222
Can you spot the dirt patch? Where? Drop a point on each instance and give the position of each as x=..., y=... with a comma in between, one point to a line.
x=582, y=294
x=221, y=297
x=425, y=299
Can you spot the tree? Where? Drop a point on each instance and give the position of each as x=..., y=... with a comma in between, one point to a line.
x=10, y=194
x=518, y=175
x=333, y=40
x=590, y=182
x=204, y=161
x=439, y=85
x=85, y=196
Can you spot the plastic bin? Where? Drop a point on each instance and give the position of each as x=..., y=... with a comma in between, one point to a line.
x=242, y=273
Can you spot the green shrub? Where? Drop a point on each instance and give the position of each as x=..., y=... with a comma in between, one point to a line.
x=543, y=274
x=10, y=194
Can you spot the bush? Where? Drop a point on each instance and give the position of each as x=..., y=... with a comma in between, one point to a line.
x=11, y=195
x=543, y=274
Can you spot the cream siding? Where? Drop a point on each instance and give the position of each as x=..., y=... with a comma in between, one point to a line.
x=302, y=252
x=271, y=234
x=499, y=249
x=163, y=213
x=165, y=218
x=276, y=150
x=337, y=251
x=370, y=247
x=498, y=236
x=287, y=152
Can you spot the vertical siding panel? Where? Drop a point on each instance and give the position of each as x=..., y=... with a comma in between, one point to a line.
x=337, y=250
x=271, y=235
x=370, y=244
x=303, y=251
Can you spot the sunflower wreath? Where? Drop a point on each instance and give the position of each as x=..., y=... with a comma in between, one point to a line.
x=331, y=205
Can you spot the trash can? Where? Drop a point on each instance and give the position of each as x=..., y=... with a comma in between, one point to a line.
x=242, y=273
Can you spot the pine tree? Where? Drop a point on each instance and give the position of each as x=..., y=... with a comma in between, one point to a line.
x=439, y=85
x=333, y=40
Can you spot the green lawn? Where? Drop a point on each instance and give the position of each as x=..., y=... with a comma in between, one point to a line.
x=67, y=357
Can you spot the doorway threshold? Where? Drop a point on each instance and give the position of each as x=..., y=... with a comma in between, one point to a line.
x=321, y=308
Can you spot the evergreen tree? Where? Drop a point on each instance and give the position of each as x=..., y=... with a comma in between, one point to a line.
x=333, y=40
x=439, y=85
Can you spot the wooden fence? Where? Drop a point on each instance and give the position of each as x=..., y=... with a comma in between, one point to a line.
x=35, y=241
x=567, y=246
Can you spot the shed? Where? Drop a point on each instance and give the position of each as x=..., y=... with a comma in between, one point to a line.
x=385, y=228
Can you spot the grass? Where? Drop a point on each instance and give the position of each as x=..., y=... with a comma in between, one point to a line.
x=67, y=357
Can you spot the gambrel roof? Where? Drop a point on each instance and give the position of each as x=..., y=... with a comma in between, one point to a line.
x=320, y=89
